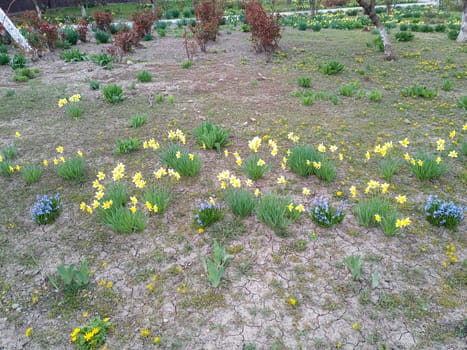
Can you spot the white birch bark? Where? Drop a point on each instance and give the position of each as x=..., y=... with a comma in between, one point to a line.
x=462, y=37
x=14, y=32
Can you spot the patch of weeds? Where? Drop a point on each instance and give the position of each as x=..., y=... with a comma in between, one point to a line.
x=447, y=85
x=331, y=67
x=138, y=120
x=187, y=64
x=74, y=110
x=4, y=59
x=427, y=167
x=113, y=93
x=417, y=90
x=23, y=75
x=103, y=60
x=31, y=173
x=126, y=146
x=159, y=98
x=224, y=232
x=209, y=135
x=170, y=99
x=462, y=102
x=215, y=268
x=70, y=279
x=10, y=93
x=92, y=335
x=405, y=36
x=185, y=163
x=354, y=264
x=207, y=301
x=349, y=90
x=73, y=55
x=304, y=82
x=72, y=169
x=375, y=95
x=18, y=61
x=144, y=76
x=70, y=35
x=123, y=220
x=254, y=167
x=240, y=201
x=94, y=85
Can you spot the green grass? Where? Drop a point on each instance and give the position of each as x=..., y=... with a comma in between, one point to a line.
x=72, y=169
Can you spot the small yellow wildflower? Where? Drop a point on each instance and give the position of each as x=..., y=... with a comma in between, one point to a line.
x=260, y=162
x=109, y=285
x=281, y=180
x=404, y=143
x=79, y=153
x=17, y=134
x=28, y=332
x=59, y=149
x=249, y=182
x=353, y=191
x=145, y=332
x=226, y=153
x=257, y=192
x=290, y=207
x=377, y=218
x=321, y=148
x=420, y=162
x=300, y=208
x=452, y=154
x=292, y=301
x=100, y=175
x=306, y=191
x=367, y=155
x=200, y=230
x=191, y=156
x=401, y=199
x=133, y=209
x=156, y=340
x=438, y=160
x=356, y=326
x=333, y=148
x=452, y=134
x=150, y=287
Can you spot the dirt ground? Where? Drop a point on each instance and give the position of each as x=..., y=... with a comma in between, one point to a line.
x=416, y=304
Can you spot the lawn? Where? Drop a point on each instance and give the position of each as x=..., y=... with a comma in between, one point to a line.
x=282, y=276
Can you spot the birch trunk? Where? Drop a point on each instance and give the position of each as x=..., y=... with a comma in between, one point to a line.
x=370, y=11
x=14, y=32
x=38, y=9
x=462, y=37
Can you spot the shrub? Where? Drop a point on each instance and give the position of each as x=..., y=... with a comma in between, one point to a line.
x=403, y=27
x=46, y=209
x=404, y=36
x=103, y=20
x=211, y=136
x=441, y=213
x=51, y=35
x=70, y=35
x=254, y=167
x=31, y=173
x=158, y=198
x=73, y=55
x=72, y=169
x=265, y=29
x=240, y=201
x=143, y=21
x=426, y=167
x=417, y=90
x=4, y=59
x=102, y=37
x=186, y=164
x=83, y=30
x=316, y=26
x=208, y=18
x=126, y=40
x=138, y=120
x=18, y=61
x=440, y=28
x=331, y=67
x=97, y=328
x=3, y=48
x=324, y=214
x=144, y=76
x=304, y=82
x=126, y=146
x=113, y=93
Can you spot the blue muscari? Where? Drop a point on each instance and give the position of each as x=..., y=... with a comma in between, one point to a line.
x=205, y=206
x=322, y=212
x=442, y=211
x=44, y=205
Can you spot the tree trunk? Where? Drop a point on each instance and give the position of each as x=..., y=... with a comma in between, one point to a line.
x=38, y=9
x=462, y=37
x=369, y=9
x=14, y=32
x=83, y=8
